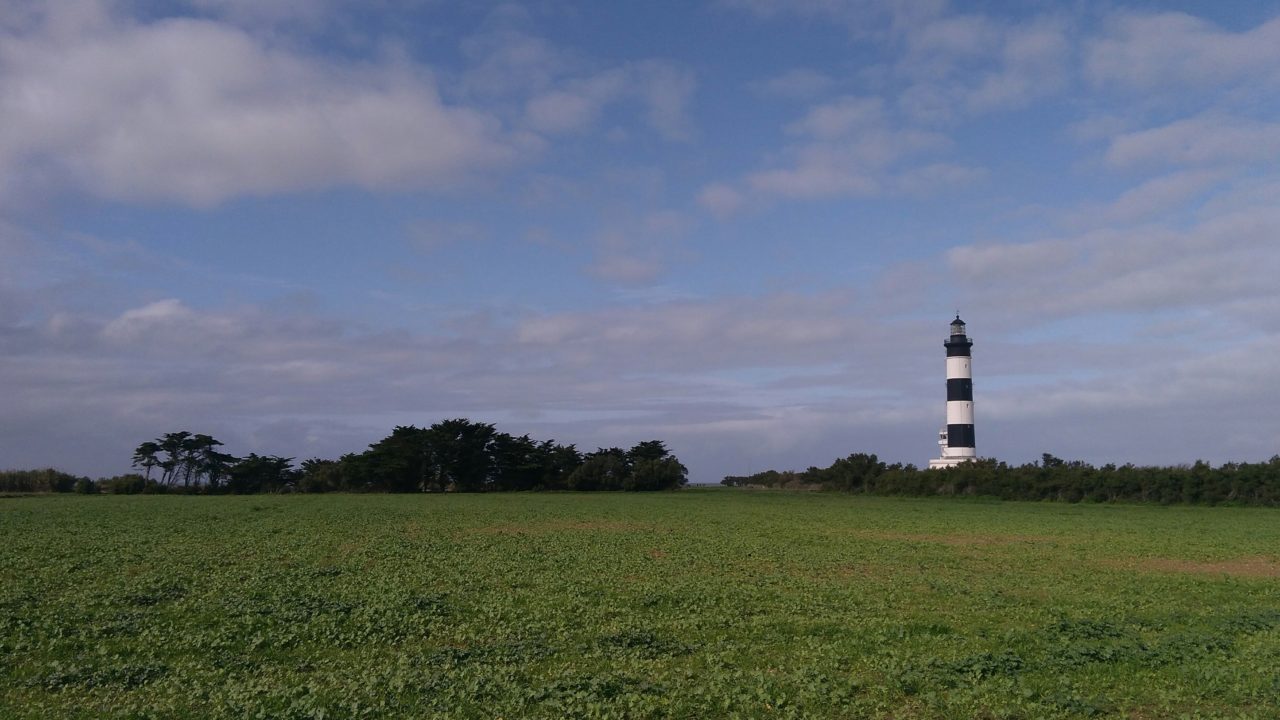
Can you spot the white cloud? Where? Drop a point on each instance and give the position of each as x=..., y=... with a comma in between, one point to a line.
x=839, y=118
x=1169, y=52
x=508, y=59
x=949, y=66
x=1206, y=139
x=844, y=147
x=1142, y=412
x=953, y=64
x=985, y=263
x=816, y=174
x=1033, y=63
x=720, y=199
x=662, y=89
x=559, y=111
x=197, y=111
x=666, y=90
x=555, y=92
x=158, y=317
x=1222, y=259
x=797, y=83
x=947, y=38
x=1160, y=194
x=969, y=65
x=1169, y=197
x=736, y=332
x=636, y=254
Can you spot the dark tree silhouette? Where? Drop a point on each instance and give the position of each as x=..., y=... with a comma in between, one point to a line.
x=455, y=455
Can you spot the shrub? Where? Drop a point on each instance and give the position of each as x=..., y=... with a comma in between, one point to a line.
x=46, y=480
x=130, y=484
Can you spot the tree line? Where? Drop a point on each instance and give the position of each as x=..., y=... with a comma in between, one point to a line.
x=1051, y=478
x=450, y=456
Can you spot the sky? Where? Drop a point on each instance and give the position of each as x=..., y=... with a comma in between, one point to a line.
x=738, y=226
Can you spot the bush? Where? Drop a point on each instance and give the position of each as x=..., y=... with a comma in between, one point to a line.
x=46, y=480
x=664, y=474
x=1050, y=479
x=131, y=484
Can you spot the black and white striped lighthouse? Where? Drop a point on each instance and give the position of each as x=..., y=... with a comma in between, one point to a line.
x=956, y=440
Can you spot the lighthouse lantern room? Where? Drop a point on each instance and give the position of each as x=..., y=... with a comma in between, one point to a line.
x=956, y=439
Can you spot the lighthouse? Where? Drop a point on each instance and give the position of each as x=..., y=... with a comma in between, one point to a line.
x=956, y=439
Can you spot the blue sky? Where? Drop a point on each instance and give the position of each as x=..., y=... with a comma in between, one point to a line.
x=740, y=226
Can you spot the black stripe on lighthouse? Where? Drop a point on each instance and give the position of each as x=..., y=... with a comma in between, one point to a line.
x=960, y=436
x=960, y=389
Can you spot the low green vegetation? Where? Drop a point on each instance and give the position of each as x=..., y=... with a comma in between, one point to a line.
x=692, y=604
x=1050, y=479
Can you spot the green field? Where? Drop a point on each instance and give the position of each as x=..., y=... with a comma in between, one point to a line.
x=693, y=604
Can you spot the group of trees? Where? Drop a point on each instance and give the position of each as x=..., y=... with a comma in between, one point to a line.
x=45, y=480
x=449, y=456
x=184, y=457
x=1051, y=478
x=464, y=456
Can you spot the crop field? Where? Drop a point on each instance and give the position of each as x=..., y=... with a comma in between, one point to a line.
x=692, y=604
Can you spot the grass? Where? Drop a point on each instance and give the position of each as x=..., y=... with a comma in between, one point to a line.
x=701, y=603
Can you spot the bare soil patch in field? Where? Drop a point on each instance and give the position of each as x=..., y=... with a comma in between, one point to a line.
x=1251, y=567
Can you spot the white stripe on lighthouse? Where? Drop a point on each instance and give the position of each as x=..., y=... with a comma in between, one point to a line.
x=959, y=367
x=959, y=412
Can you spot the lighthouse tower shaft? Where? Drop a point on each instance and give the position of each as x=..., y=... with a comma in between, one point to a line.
x=957, y=439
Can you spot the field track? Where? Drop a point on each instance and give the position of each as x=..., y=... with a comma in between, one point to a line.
x=692, y=604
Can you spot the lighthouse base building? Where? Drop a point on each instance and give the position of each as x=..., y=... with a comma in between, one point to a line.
x=956, y=439
x=951, y=457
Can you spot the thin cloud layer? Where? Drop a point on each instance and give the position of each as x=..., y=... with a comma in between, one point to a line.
x=576, y=104
x=847, y=147
x=1202, y=140
x=1224, y=258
